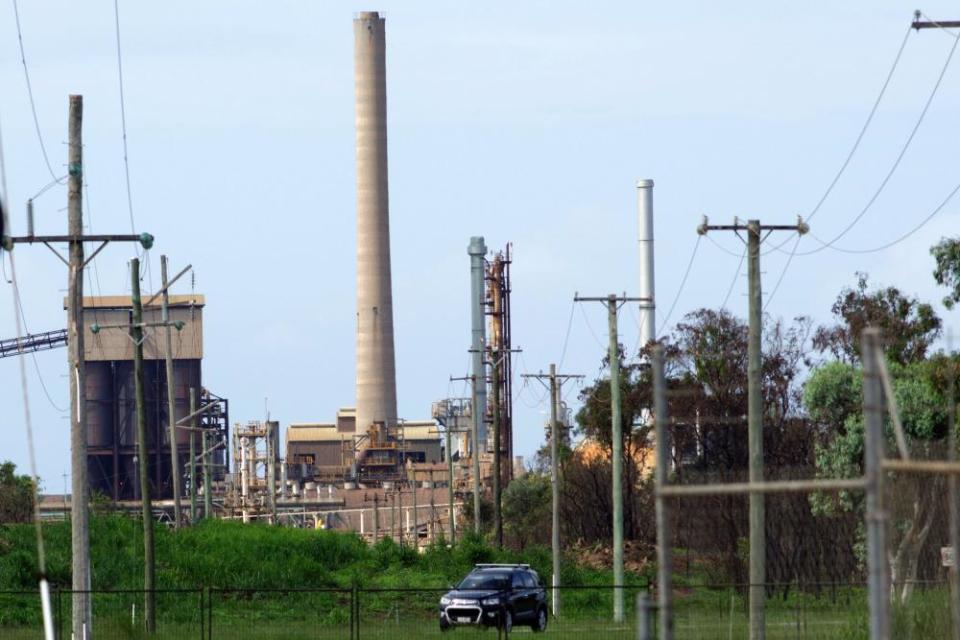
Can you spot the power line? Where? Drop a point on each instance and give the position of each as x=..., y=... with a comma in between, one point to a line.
x=33, y=106
x=923, y=223
x=590, y=327
x=859, y=139
x=733, y=283
x=123, y=118
x=683, y=283
x=896, y=164
x=776, y=287
x=566, y=339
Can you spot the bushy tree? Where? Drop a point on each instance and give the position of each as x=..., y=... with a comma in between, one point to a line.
x=16, y=495
x=922, y=388
x=909, y=327
x=526, y=510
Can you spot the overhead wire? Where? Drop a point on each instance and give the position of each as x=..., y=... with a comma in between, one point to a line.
x=33, y=105
x=566, y=339
x=593, y=333
x=683, y=283
x=903, y=237
x=859, y=138
x=916, y=127
x=146, y=266
x=783, y=273
x=736, y=276
x=28, y=425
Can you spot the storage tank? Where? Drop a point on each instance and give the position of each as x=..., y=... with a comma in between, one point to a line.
x=99, y=399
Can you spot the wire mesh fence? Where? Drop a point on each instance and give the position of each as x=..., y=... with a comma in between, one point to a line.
x=700, y=612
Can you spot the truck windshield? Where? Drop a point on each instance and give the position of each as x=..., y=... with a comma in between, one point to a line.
x=485, y=581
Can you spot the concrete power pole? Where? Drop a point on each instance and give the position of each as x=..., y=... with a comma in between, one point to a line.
x=758, y=536
x=556, y=381
x=136, y=334
x=613, y=303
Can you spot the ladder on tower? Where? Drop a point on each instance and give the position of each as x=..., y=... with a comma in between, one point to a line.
x=33, y=342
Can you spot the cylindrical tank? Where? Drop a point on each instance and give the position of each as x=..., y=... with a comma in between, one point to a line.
x=99, y=399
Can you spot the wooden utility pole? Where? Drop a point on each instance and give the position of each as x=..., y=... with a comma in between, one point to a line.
x=82, y=624
x=613, y=303
x=136, y=334
x=172, y=401
x=79, y=484
x=758, y=536
x=193, y=451
x=475, y=453
x=556, y=381
x=207, y=473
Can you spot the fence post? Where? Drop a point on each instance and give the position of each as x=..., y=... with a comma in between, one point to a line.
x=643, y=616
x=878, y=571
x=209, y=613
x=203, y=630
x=59, y=614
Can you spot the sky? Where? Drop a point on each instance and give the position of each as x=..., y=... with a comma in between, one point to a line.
x=527, y=123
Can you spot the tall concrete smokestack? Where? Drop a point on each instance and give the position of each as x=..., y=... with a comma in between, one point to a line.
x=376, y=374
x=648, y=320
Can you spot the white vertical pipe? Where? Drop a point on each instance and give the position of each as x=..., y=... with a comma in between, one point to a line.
x=648, y=318
x=478, y=295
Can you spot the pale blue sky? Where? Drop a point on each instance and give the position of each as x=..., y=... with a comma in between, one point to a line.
x=525, y=122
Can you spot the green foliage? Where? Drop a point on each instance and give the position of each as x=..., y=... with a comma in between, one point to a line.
x=946, y=254
x=526, y=509
x=908, y=326
x=16, y=495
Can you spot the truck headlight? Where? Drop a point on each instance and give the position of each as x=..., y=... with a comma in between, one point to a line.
x=445, y=600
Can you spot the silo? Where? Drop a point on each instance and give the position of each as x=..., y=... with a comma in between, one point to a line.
x=376, y=376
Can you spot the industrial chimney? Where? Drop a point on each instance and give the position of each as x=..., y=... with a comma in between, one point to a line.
x=376, y=375
x=645, y=236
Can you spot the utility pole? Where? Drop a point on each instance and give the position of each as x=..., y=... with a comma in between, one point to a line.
x=376, y=517
x=556, y=381
x=193, y=452
x=207, y=469
x=475, y=454
x=136, y=334
x=758, y=537
x=416, y=529
x=497, y=484
x=171, y=403
x=496, y=364
x=664, y=548
x=613, y=303
x=82, y=623
x=447, y=412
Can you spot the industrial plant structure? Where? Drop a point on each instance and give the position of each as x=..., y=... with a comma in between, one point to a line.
x=109, y=396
